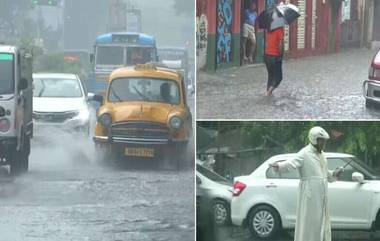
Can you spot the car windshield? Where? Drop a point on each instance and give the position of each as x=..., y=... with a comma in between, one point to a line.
x=362, y=165
x=350, y=164
x=140, y=55
x=57, y=88
x=110, y=55
x=211, y=175
x=144, y=89
x=7, y=73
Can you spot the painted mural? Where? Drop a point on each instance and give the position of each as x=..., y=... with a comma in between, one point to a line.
x=202, y=38
x=224, y=32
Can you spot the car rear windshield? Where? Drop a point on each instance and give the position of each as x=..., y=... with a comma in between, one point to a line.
x=144, y=89
x=7, y=73
x=57, y=88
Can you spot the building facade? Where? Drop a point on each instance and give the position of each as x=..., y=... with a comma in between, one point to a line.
x=220, y=24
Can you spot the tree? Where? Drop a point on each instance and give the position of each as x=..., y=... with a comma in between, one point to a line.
x=184, y=7
x=12, y=15
x=361, y=139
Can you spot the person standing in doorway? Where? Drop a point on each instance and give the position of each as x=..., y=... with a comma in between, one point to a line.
x=313, y=220
x=249, y=37
x=274, y=50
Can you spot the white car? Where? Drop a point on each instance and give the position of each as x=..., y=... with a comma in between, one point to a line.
x=265, y=201
x=59, y=101
x=219, y=191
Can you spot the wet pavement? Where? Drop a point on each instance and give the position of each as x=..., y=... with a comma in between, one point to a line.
x=238, y=234
x=68, y=196
x=321, y=87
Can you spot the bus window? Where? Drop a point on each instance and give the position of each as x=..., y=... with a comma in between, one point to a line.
x=110, y=55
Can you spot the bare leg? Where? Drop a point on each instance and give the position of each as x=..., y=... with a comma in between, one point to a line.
x=253, y=49
x=249, y=52
x=244, y=50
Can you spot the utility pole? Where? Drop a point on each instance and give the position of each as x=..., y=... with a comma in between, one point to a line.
x=117, y=17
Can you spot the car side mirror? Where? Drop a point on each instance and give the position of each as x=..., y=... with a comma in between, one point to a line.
x=199, y=182
x=23, y=84
x=91, y=58
x=98, y=98
x=90, y=96
x=358, y=177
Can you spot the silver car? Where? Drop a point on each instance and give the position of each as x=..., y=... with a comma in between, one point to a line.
x=59, y=102
x=219, y=191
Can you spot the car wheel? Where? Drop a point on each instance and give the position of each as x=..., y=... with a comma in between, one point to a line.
x=16, y=163
x=368, y=104
x=24, y=155
x=221, y=212
x=264, y=222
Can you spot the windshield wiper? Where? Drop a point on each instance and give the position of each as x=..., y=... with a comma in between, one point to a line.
x=114, y=93
x=42, y=89
x=140, y=94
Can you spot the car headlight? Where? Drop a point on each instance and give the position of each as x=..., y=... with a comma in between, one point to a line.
x=83, y=114
x=5, y=125
x=105, y=120
x=175, y=122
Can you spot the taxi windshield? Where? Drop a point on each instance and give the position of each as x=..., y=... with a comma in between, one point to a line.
x=144, y=89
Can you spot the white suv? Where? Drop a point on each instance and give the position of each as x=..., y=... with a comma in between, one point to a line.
x=266, y=201
x=60, y=102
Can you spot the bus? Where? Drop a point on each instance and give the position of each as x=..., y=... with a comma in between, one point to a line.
x=114, y=50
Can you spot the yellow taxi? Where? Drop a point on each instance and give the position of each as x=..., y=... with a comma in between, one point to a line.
x=144, y=114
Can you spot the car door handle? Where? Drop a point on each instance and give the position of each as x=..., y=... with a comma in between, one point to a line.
x=271, y=185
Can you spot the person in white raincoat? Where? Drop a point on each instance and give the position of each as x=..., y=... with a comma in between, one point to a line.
x=313, y=223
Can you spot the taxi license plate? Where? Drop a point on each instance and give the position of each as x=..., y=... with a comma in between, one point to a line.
x=139, y=152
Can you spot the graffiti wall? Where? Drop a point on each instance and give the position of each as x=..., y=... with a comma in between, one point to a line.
x=224, y=32
x=202, y=38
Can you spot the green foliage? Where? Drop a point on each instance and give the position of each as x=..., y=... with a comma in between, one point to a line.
x=361, y=139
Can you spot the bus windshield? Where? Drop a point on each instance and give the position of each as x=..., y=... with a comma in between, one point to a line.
x=7, y=73
x=110, y=55
x=140, y=55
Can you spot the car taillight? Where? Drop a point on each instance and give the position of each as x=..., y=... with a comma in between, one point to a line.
x=238, y=188
x=5, y=124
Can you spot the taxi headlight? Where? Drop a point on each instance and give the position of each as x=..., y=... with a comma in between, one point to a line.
x=105, y=120
x=175, y=122
x=5, y=125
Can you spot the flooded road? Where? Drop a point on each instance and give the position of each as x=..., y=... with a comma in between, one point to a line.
x=238, y=234
x=68, y=196
x=321, y=87
x=75, y=199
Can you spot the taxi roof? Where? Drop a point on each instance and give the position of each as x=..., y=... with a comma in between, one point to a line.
x=145, y=70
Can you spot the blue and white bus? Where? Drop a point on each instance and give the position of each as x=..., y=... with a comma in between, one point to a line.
x=114, y=50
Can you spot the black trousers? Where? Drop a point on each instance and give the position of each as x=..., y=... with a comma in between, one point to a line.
x=274, y=68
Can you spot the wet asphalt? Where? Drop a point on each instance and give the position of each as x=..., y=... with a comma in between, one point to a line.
x=67, y=195
x=319, y=87
x=239, y=234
